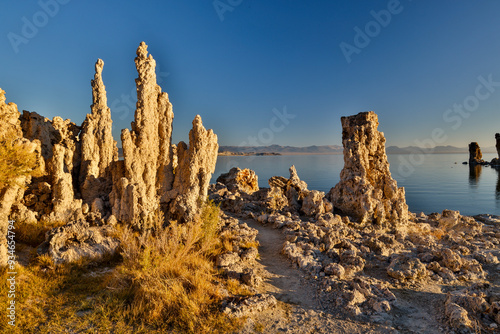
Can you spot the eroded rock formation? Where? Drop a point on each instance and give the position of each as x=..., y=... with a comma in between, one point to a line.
x=288, y=193
x=496, y=161
x=81, y=178
x=60, y=151
x=11, y=192
x=78, y=240
x=292, y=195
x=497, y=144
x=240, y=180
x=475, y=155
x=99, y=149
x=147, y=163
x=196, y=165
x=366, y=189
x=144, y=182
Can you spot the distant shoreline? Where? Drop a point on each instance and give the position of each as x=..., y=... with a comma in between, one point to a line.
x=246, y=154
x=242, y=154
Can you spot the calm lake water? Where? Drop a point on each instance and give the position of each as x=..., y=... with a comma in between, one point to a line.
x=433, y=182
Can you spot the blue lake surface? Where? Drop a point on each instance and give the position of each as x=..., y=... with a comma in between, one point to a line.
x=433, y=182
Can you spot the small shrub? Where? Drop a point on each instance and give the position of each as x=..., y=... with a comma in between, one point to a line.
x=236, y=288
x=165, y=281
x=33, y=234
x=16, y=159
x=249, y=244
x=167, y=277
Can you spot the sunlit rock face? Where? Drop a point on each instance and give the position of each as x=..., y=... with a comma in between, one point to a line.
x=81, y=176
x=61, y=159
x=196, y=164
x=154, y=174
x=98, y=148
x=243, y=180
x=147, y=165
x=366, y=189
x=13, y=192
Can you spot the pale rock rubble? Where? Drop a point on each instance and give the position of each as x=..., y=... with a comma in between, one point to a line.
x=238, y=262
x=78, y=240
x=359, y=268
x=241, y=180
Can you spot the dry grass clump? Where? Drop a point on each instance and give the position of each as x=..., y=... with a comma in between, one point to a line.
x=164, y=281
x=67, y=298
x=33, y=234
x=235, y=288
x=16, y=158
x=167, y=277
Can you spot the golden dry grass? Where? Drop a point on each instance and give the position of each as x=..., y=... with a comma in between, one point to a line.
x=168, y=275
x=163, y=281
x=16, y=159
x=33, y=234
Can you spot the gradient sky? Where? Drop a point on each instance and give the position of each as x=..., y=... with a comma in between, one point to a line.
x=235, y=61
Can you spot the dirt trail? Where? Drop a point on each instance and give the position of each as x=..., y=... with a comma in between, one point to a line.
x=299, y=309
x=285, y=282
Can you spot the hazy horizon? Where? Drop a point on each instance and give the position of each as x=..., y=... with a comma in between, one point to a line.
x=267, y=73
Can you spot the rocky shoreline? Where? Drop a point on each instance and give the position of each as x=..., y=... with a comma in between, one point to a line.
x=376, y=274
x=406, y=272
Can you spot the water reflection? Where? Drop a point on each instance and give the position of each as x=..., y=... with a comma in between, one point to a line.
x=475, y=174
x=497, y=189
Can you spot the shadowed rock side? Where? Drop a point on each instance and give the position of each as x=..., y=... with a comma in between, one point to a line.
x=496, y=161
x=366, y=189
x=497, y=144
x=292, y=195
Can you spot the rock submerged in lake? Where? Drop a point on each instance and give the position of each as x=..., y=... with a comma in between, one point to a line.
x=475, y=155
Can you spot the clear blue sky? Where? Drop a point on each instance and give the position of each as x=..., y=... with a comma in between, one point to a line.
x=234, y=61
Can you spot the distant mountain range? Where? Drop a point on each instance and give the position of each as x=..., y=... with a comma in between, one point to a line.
x=326, y=149
x=336, y=149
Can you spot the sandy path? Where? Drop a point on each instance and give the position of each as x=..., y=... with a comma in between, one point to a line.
x=299, y=310
x=285, y=282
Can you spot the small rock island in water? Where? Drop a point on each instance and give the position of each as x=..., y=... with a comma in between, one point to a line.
x=279, y=259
